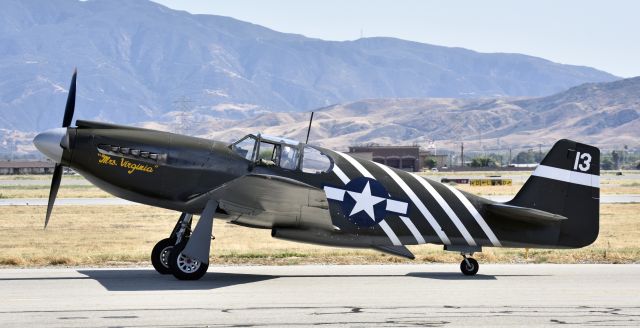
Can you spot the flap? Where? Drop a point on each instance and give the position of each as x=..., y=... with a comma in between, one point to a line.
x=256, y=193
x=396, y=250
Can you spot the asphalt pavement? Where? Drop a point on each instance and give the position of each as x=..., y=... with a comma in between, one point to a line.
x=429, y=295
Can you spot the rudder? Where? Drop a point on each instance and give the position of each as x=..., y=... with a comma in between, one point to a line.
x=567, y=183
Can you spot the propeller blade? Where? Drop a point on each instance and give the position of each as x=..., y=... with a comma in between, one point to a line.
x=71, y=102
x=55, y=185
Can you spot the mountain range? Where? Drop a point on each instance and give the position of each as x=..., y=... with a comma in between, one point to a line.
x=139, y=61
x=603, y=114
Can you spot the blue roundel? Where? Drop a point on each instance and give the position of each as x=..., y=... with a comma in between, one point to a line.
x=365, y=201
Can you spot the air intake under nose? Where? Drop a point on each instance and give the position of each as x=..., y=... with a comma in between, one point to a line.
x=48, y=143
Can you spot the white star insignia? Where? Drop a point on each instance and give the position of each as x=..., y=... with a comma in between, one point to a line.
x=365, y=201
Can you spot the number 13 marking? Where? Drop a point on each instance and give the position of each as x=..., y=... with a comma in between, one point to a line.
x=583, y=162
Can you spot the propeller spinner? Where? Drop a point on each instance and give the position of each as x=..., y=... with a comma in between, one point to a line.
x=50, y=143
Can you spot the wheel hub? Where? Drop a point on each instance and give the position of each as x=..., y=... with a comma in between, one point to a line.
x=187, y=264
x=164, y=256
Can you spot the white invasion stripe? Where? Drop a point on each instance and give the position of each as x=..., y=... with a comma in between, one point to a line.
x=476, y=215
x=392, y=235
x=397, y=206
x=383, y=224
x=414, y=231
x=555, y=173
x=334, y=193
x=447, y=209
x=357, y=165
x=414, y=198
x=343, y=177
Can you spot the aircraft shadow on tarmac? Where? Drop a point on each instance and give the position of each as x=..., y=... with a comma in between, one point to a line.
x=145, y=280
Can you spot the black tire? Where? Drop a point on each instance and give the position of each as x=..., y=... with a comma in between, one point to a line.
x=160, y=256
x=470, y=269
x=183, y=267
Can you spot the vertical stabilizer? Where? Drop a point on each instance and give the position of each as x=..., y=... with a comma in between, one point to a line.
x=567, y=183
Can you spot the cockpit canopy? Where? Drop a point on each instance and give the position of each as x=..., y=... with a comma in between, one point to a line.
x=285, y=153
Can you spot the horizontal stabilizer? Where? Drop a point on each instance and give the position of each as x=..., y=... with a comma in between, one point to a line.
x=396, y=250
x=524, y=214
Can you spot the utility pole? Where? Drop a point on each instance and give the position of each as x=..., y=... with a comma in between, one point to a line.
x=462, y=154
x=539, y=153
x=481, y=148
x=12, y=144
x=509, y=161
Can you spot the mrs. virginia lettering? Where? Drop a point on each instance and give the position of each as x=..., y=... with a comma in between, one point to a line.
x=130, y=166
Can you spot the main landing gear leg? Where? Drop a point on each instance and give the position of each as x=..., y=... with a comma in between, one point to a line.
x=469, y=266
x=189, y=259
x=162, y=250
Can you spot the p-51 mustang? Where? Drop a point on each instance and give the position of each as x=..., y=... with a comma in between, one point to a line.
x=310, y=194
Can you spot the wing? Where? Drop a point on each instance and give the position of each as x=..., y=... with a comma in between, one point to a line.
x=265, y=201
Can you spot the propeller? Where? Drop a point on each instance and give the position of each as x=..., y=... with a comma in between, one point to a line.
x=55, y=185
x=71, y=101
x=57, y=171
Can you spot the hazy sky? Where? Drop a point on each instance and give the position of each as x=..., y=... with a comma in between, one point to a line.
x=601, y=34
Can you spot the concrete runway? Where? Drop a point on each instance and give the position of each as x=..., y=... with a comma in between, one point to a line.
x=327, y=296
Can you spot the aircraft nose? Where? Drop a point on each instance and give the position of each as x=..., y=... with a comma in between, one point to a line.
x=48, y=143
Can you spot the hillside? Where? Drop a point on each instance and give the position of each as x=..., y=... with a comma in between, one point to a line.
x=137, y=58
x=604, y=114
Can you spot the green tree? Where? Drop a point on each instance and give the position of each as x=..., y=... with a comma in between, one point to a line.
x=483, y=162
x=430, y=163
x=528, y=157
x=606, y=164
x=615, y=157
x=497, y=158
x=525, y=157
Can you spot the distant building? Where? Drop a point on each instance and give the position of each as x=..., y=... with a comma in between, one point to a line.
x=402, y=157
x=18, y=167
x=441, y=160
x=364, y=155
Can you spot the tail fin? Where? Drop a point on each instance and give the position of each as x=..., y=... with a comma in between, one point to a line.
x=567, y=183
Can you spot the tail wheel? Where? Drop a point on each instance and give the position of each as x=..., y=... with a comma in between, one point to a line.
x=160, y=255
x=184, y=267
x=469, y=266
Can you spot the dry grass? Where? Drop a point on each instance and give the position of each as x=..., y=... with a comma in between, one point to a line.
x=37, y=177
x=124, y=235
x=42, y=191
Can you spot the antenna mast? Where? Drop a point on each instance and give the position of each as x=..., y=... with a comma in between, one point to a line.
x=309, y=130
